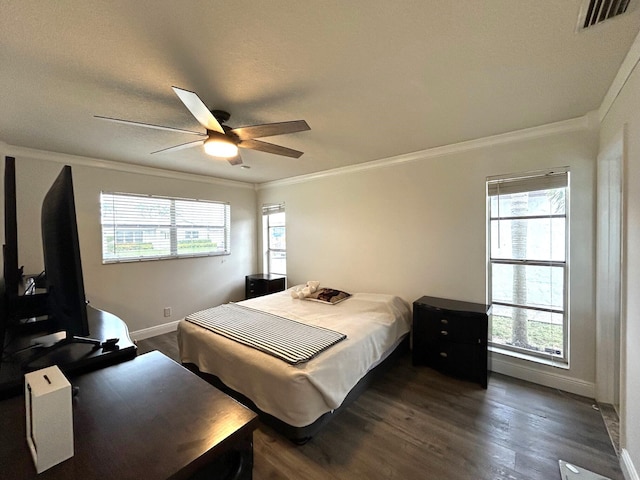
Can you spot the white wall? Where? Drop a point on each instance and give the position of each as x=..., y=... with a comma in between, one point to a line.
x=626, y=110
x=416, y=225
x=137, y=292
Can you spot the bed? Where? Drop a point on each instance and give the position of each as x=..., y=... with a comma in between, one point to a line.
x=298, y=399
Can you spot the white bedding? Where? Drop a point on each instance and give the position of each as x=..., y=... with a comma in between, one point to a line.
x=300, y=394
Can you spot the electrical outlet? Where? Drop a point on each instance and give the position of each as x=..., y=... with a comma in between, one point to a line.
x=167, y=311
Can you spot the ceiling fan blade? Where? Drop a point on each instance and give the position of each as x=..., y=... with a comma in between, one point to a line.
x=148, y=125
x=237, y=160
x=180, y=147
x=270, y=129
x=198, y=109
x=269, y=148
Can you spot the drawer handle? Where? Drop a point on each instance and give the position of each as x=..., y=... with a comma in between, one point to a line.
x=444, y=332
x=443, y=354
x=444, y=321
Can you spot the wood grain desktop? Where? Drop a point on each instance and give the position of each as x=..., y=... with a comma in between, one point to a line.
x=146, y=418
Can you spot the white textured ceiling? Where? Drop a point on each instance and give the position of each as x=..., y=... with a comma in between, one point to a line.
x=373, y=79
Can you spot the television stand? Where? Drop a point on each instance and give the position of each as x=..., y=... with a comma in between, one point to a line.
x=72, y=357
x=109, y=344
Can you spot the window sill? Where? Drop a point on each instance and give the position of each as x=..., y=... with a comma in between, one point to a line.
x=165, y=257
x=550, y=361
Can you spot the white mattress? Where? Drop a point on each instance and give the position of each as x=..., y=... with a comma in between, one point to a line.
x=300, y=394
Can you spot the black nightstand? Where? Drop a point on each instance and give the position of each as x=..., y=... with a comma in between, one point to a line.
x=451, y=336
x=263, y=284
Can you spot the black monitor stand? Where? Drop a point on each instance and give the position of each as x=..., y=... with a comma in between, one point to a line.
x=107, y=345
x=73, y=355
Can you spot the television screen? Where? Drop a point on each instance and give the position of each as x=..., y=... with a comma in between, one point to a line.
x=67, y=306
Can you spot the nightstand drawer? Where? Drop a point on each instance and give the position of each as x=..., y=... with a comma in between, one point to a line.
x=455, y=359
x=450, y=326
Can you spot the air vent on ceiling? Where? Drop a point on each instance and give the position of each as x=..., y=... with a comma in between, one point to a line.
x=597, y=11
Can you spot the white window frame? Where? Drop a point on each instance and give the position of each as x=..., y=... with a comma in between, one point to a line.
x=118, y=213
x=531, y=182
x=267, y=210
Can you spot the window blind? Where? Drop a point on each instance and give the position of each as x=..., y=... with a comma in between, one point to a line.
x=528, y=183
x=270, y=209
x=144, y=227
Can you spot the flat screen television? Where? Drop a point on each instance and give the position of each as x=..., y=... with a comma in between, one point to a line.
x=64, y=302
x=14, y=306
x=12, y=274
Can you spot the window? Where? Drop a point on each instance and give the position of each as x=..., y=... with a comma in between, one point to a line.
x=128, y=236
x=143, y=227
x=528, y=272
x=274, y=238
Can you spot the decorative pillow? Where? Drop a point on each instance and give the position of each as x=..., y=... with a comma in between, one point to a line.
x=329, y=296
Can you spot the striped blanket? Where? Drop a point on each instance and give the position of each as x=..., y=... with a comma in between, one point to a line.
x=291, y=341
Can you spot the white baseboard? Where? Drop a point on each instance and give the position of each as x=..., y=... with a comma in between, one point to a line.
x=155, y=330
x=628, y=469
x=542, y=377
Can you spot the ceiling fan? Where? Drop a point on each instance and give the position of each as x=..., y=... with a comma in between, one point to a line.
x=221, y=140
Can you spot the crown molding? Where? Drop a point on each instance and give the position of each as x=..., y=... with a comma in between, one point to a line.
x=572, y=125
x=627, y=67
x=67, y=159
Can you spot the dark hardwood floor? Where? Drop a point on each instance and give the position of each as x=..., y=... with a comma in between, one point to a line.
x=415, y=423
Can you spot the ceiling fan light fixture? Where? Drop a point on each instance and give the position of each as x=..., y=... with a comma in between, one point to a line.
x=219, y=145
x=222, y=141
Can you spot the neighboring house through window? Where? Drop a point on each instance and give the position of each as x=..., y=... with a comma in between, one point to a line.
x=144, y=227
x=528, y=270
x=274, y=239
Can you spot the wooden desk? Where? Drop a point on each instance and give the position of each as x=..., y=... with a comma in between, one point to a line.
x=146, y=418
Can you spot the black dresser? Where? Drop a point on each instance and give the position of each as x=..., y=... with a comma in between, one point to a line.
x=451, y=336
x=263, y=284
